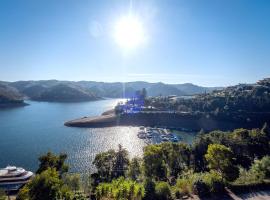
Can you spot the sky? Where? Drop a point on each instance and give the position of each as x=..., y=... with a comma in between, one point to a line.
x=209, y=43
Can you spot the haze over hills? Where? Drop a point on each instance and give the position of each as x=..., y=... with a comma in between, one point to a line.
x=63, y=91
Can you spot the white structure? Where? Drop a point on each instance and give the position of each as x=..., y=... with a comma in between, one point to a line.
x=13, y=178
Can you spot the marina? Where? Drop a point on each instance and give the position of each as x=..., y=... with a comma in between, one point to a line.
x=157, y=135
x=39, y=128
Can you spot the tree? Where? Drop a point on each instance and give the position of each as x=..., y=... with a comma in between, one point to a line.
x=153, y=163
x=73, y=181
x=121, y=162
x=112, y=164
x=134, y=170
x=149, y=187
x=220, y=158
x=176, y=157
x=104, y=164
x=44, y=186
x=51, y=160
x=163, y=191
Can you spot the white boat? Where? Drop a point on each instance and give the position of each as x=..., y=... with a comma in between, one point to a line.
x=13, y=178
x=174, y=139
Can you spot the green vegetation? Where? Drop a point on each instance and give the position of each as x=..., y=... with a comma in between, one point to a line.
x=52, y=181
x=257, y=173
x=172, y=170
x=247, y=105
x=120, y=189
x=220, y=158
x=166, y=171
x=111, y=164
x=53, y=161
x=242, y=98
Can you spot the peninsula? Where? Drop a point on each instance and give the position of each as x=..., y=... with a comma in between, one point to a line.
x=243, y=105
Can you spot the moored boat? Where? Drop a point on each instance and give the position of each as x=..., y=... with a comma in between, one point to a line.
x=13, y=178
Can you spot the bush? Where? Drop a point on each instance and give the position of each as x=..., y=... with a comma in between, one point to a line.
x=185, y=182
x=214, y=182
x=247, y=177
x=183, y=186
x=259, y=171
x=163, y=190
x=120, y=189
x=262, y=167
x=23, y=193
x=73, y=181
x=199, y=183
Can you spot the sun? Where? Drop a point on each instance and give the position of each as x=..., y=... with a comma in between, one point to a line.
x=129, y=32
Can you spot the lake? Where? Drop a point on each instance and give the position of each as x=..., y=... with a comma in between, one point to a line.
x=30, y=131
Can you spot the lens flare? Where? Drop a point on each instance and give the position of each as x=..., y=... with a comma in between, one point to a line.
x=129, y=32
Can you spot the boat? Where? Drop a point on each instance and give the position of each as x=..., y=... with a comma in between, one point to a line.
x=174, y=139
x=13, y=178
x=165, y=139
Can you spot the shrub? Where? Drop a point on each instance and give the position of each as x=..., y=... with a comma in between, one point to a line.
x=246, y=177
x=214, y=182
x=259, y=171
x=262, y=167
x=184, y=184
x=199, y=183
x=120, y=189
x=163, y=190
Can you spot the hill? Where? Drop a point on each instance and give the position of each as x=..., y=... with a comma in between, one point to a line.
x=91, y=90
x=63, y=93
x=9, y=96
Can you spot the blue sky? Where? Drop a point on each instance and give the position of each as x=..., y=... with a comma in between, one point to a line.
x=210, y=43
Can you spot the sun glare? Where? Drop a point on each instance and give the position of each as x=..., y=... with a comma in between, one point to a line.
x=129, y=32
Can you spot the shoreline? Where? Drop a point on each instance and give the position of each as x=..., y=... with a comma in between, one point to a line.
x=13, y=105
x=174, y=120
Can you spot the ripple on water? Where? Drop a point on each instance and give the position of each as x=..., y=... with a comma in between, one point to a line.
x=97, y=140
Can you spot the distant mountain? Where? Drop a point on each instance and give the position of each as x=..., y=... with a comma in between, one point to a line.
x=64, y=93
x=192, y=89
x=164, y=90
x=54, y=90
x=153, y=89
x=9, y=96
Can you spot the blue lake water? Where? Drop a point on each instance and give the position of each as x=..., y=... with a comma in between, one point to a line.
x=30, y=131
